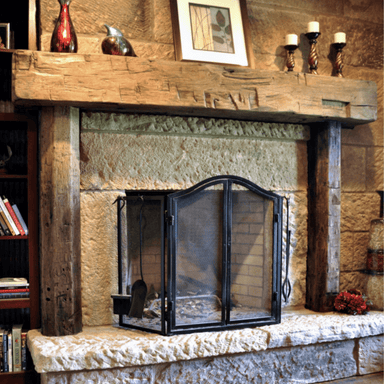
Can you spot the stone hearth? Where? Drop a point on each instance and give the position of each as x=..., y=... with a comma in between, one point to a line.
x=306, y=347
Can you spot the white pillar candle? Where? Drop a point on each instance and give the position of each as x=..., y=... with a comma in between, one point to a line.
x=340, y=37
x=313, y=26
x=291, y=39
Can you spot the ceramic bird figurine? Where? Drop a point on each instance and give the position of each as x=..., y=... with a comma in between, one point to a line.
x=116, y=44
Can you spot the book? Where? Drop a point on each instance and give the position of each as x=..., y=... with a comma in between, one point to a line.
x=23, y=350
x=12, y=290
x=14, y=295
x=9, y=352
x=12, y=225
x=13, y=215
x=16, y=347
x=1, y=351
x=18, y=214
x=7, y=223
x=5, y=350
x=4, y=227
x=13, y=282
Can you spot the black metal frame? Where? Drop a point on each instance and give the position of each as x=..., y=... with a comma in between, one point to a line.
x=170, y=202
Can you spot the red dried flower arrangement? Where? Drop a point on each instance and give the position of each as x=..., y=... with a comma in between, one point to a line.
x=352, y=302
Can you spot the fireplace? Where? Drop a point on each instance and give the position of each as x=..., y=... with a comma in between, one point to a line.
x=205, y=258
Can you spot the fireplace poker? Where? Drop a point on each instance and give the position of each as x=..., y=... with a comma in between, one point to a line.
x=287, y=284
x=139, y=288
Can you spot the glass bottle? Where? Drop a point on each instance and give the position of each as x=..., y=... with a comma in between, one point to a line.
x=64, y=36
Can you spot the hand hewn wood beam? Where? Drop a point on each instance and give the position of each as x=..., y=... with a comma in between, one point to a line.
x=128, y=84
x=60, y=221
x=324, y=182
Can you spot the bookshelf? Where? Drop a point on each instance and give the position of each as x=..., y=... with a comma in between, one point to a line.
x=19, y=254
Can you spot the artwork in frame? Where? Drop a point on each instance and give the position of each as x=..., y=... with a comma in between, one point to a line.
x=214, y=31
x=5, y=36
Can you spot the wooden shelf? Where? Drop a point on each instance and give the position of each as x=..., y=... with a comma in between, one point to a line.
x=24, y=237
x=15, y=303
x=132, y=84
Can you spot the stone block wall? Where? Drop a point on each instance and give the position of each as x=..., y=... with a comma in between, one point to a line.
x=147, y=24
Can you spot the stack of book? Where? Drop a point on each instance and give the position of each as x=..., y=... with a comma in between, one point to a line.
x=11, y=221
x=13, y=349
x=13, y=288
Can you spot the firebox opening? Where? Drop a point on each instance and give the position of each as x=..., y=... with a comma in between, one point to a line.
x=210, y=256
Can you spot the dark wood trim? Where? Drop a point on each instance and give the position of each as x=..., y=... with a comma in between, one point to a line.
x=60, y=222
x=324, y=198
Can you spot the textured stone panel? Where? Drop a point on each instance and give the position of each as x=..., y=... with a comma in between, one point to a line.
x=110, y=347
x=353, y=280
x=310, y=364
x=375, y=291
x=367, y=134
x=118, y=161
x=300, y=6
x=353, y=251
x=359, y=35
x=98, y=257
x=368, y=10
x=375, y=169
x=307, y=327
x=357, y=211
x=197, y=126
x=298, y=247
x=371, y=355
x=133, y=18
x=353, y=165
x=162, y=29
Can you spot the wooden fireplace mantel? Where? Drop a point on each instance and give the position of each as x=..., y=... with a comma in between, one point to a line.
x=129, y=84
x=63, y=83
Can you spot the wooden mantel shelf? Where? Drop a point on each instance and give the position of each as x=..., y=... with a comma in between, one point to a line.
x=130, y=84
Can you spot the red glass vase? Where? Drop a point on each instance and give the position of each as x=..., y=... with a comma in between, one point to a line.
x=64, y=37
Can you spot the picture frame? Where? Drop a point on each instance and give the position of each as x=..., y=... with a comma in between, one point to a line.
x=5, y=35
x=215, y=31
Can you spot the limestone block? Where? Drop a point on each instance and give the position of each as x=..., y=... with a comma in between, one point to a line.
x=368, y=10
x=353, y=280
x=98, y=256
x=162, y=29
x=357, y=211
x=133, y=18
x=375, y=169
x=310, y=364
x=310, y=328
x=353, y=254
x=371, y=355
x=367, y=134
x=353, y=165
x=375, y=291
x=109, y=347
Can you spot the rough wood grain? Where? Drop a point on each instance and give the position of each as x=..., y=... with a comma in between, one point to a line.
x=60, y=221
x=132, y=84
x=323, y=264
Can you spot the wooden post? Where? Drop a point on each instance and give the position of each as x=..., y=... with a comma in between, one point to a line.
x=323, y=264
x=60, y=221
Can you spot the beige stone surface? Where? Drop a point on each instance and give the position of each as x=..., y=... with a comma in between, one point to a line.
x=353, y=165
x=375, y=291
x=371, y=355
x=353, y=255
x=357, y=211
x=110, y=347
x=309, y=364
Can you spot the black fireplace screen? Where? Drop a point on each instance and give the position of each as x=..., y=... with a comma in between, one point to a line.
x=206, y=258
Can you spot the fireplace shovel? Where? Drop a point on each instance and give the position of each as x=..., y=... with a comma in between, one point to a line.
x=139, y=288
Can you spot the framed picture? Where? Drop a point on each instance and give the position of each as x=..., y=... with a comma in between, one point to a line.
x=5, y=35
x=214, y=31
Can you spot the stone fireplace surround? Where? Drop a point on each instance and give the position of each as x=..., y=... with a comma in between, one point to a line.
x=343, y=346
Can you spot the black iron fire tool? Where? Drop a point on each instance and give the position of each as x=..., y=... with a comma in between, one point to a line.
x=139, y=288
x=287, y=284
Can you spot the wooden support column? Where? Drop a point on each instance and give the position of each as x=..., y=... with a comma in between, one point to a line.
x=60, y=221
x=323, y=264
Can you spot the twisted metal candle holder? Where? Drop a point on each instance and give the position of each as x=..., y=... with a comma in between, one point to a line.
x=312, y=59
x=339, y=59
x=290, y=56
